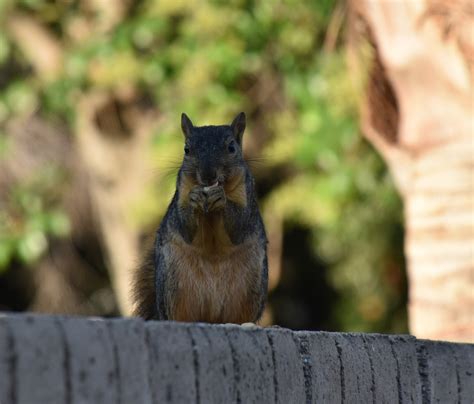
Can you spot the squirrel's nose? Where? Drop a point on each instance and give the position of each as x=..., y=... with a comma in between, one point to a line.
x=208, y=182
x=207, y=178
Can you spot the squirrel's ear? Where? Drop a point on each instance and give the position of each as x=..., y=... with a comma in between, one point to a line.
x=186, y=125
x=238, y=127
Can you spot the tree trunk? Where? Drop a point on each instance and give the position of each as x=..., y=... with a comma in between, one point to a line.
x=113, y=134
x=418, y=114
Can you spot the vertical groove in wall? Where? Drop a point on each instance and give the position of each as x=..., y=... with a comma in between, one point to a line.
x=196, y=366
x=275, y=379
x=372, y=373
x=423, y=371
x=12, y=363
x=117, y=374
x=66, y=360
x=150, y=370
x=458, y=378
x=236, y=368
x=397, y=363
x=206, y=335
x=302, y=342
x=341, y=371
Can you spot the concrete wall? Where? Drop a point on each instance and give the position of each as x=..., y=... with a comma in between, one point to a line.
x=45, y=359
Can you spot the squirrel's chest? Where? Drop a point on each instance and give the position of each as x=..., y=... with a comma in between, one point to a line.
x=213, y=288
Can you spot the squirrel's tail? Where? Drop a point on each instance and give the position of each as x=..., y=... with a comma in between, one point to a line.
x=143, y=288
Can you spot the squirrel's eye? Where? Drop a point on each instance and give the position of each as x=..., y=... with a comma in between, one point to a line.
x=231, y=147
x=186, y=150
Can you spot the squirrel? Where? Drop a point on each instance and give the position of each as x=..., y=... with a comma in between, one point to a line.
x=209, y=259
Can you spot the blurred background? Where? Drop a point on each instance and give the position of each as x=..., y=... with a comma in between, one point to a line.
x=91, y=94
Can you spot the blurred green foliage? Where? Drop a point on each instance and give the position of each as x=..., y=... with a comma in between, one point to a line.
x=29, y=216
x=213, y=59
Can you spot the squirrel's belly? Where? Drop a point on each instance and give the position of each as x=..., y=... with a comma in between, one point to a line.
x=215, y=289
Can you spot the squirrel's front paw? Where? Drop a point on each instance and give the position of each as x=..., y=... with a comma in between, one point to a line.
x=197, y=198
x=215, y=198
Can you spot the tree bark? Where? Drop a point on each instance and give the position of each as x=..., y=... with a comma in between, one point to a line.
x=419, y=115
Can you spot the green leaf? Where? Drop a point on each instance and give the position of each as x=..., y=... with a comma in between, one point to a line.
x=31, y=246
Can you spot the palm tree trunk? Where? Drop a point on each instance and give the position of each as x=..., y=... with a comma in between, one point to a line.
x=419, y=115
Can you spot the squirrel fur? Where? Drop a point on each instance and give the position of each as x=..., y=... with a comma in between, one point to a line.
x=209, y=259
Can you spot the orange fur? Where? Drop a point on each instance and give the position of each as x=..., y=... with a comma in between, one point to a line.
x=236, y=190
x=214, y=288
x=211, y=237
x=214, y=280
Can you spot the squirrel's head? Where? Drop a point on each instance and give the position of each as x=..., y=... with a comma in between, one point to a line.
x=213, y=153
